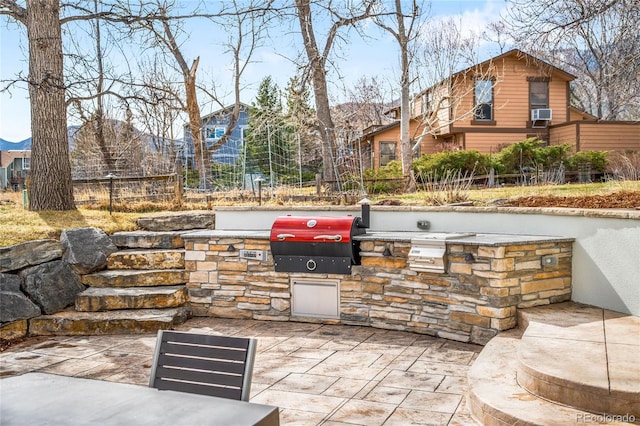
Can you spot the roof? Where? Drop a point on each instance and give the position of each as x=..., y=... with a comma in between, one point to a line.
x=380, y=129
x=226, y=109
x=519, y=54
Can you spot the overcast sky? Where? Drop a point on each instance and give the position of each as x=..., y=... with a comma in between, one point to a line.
x=379, y=58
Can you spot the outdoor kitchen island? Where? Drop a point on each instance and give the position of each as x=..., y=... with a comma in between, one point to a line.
x=464, y=287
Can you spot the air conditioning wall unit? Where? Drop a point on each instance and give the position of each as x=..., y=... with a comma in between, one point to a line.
x=541, y=114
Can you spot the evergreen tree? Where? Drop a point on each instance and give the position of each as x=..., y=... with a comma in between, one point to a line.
x=269, y=147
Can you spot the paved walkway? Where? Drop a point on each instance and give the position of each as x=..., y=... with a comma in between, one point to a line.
x=317, y=374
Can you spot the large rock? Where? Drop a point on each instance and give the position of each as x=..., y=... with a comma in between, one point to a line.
x=86, y=249
x=30, y=253
x=178, y=221
x=14, y=306
x=9, y=282
x=53, y=286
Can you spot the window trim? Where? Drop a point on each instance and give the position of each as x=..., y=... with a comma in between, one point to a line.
x=380, y=153
x=476, y=119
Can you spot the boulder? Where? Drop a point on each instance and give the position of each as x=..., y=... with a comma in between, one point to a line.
x=14, y=306
x=52, y=286
x=9, y=282
x=86, y=249
x=30, y=253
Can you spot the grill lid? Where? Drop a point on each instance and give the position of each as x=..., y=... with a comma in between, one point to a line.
x=315, y=229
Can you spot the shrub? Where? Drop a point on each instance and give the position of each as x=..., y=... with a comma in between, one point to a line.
x=387, y=178
x=439, y=165
x=597, y=160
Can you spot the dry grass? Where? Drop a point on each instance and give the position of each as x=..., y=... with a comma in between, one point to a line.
x=19, y=225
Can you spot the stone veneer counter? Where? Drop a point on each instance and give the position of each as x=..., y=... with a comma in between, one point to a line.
x=488, y=277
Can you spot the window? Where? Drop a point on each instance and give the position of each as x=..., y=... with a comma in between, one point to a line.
x=483, y=100
x=539, y=94
x=214, y=132
x=26, y=163
x=387, y=152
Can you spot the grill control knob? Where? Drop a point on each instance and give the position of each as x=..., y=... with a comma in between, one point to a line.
x=311, y=264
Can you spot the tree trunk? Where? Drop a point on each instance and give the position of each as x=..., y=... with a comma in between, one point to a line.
x=323, y=110
x=50, y=187
x=195, y=124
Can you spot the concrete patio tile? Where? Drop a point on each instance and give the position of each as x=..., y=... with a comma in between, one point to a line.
x=410, y=380
x=361, y=412
x=292, y=364
x=453, y=384
x=624, y=368
x=296, y=401
x=384, y=361
x=141, y=345
x=387, y=394
x=30, y=360
x=305, y=383
x=379, y=348
x=300, y=418
x=432, y=401
x=447, y=355
x=407, y=416
x=402, y=362
x=364, y=359
x=367, y=389
x=346, y=388
x=305, y=342
x=448, y=369
x=347, y=371
x=67, y=349
x=340, y=345
x=623, y=329
x=268, y=376
x=71, y=367
x=276, y=350
x=392, y=337
x=534, y=354
x=319, y=354
x=592, y=330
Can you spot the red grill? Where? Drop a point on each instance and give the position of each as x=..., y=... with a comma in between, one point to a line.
x=318, y=244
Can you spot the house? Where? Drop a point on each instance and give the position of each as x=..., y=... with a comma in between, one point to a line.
x=506, y=99
x=214, y=125
x=15, y=163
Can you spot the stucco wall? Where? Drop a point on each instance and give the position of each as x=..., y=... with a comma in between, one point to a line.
x=606, y=252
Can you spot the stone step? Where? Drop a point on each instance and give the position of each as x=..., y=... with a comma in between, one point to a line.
x=177, y=221
x=133, y=321
x=136, y=278
x=582, y=356
x=496, y=399
x=148, y=239
x=96, y=299
x=146, y=259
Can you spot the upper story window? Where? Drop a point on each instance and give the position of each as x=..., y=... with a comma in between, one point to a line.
x=538, y=94
x=26, y=163
x=214, y=132
x=483, y=100
x=387, y=152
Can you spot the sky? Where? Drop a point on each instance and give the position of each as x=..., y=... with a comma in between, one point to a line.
x=359, y=59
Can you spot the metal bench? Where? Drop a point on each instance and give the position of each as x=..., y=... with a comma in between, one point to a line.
x=204, y=364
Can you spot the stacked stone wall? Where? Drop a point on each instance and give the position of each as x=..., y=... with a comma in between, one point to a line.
x=477, y=297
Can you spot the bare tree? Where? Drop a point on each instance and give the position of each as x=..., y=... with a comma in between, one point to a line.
x=598, y=41
x=318, y=53
x=449, y=65
x=50, y=183
x=405, y=28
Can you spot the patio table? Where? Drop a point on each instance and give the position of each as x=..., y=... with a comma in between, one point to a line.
x=48, y=399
